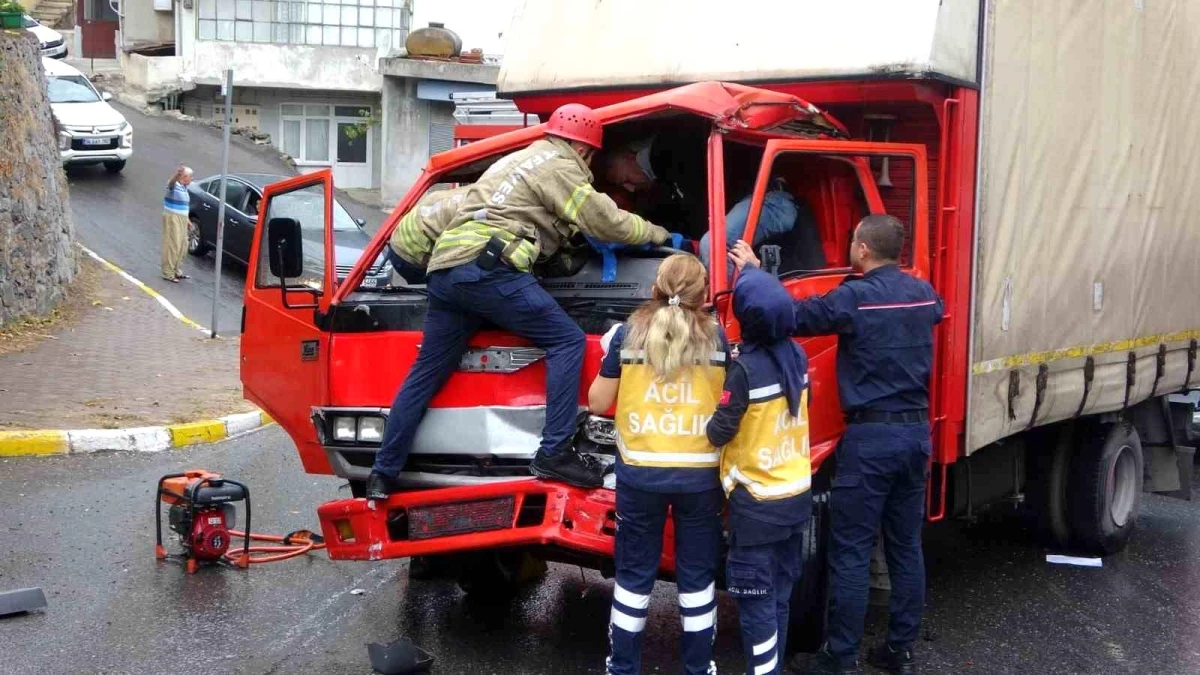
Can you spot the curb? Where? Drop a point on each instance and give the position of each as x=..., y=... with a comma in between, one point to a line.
x=139, y=439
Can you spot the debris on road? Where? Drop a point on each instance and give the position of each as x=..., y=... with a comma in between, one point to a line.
x=1074, y=560
x=21, y=601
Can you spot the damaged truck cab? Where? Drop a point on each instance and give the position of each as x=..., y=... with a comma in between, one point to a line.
x=325, y=356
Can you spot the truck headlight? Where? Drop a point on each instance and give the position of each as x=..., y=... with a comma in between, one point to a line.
x=352, y=427
x=344, y=429
x=601, y=430
x=64, y=141
x=370, y=429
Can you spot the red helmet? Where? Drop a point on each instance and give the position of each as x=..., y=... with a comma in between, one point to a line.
x=576, y=122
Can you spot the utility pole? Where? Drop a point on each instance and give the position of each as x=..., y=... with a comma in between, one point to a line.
x=227, y=94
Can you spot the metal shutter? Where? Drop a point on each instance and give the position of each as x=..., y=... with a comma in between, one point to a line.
x=441, y=138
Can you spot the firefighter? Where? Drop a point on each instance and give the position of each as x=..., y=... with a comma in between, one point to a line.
x=525, y=205
x=884, y=321
x=413, y=239
x=761, y=425
x=664, y=369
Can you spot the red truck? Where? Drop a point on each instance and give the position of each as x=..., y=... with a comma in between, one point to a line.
x=1048, y=392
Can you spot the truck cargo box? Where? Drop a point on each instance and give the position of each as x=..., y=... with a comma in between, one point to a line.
x=1088, y=259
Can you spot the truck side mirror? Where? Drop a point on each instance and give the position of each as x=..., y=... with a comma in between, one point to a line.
x=286, y=250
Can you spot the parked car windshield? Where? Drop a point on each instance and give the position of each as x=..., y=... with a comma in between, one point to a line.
x=30, y=22
x=72, y=89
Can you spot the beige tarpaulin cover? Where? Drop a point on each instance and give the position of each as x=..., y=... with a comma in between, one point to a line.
x=569, y=44
x=1089, y=236
x=1090, y=227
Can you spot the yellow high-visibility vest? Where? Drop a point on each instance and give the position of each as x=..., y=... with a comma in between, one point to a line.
x=770, y=453
x=662, y=424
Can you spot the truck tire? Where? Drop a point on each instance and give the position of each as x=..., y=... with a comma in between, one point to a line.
x=810, y=595
x=498, y=574
x=1106, y=487
x=1048, y=457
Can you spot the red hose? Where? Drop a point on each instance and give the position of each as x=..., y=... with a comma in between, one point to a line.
x=277, y=553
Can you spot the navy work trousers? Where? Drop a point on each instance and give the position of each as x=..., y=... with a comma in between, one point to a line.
x=641, y=517
x=460, y=300
x=881, y=474
x=761, y=577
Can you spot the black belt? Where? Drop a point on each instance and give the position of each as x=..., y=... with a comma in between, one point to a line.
x=493, y=253
x=886, y=417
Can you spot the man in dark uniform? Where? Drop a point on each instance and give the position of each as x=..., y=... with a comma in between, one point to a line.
x=884, y=321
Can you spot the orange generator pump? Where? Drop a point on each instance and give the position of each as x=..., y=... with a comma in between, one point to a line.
x=201, y=512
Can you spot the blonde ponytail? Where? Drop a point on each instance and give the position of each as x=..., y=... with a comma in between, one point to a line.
x=672, y=328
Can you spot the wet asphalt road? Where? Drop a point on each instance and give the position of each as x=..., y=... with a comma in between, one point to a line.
x=82, y=528
x=120, y=216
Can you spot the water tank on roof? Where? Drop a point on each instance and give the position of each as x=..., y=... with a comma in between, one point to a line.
x=434, y=40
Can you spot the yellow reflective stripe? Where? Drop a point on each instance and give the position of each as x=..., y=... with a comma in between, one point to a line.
x=680, y=459
x=1038, y=358
x=411, y=236
x=639, y=228
x=471, y=234
x=734, y=477
x=578, y=197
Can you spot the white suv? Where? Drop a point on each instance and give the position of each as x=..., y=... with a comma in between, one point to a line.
x=50, y=41
x=90, y=130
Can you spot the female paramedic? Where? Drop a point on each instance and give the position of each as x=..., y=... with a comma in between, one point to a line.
x=761, y=425
x=664, y=369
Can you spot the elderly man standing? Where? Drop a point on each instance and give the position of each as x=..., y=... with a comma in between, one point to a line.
x=175, y=225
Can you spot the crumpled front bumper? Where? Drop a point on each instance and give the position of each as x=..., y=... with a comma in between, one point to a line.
x=544, y=513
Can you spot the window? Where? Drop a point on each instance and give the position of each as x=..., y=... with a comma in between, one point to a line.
x=345, y=23
x=831, y=194
x=306, y=205
x=235, y=193
x=313, y=133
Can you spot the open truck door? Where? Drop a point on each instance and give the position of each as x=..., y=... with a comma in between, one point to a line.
x=834, y=184
x=289, y=286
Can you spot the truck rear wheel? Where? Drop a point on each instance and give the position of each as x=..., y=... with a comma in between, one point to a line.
x=806, y=619
x=1049, y=460
x=1106, y=487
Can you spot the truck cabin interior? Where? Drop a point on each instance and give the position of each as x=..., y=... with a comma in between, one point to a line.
x=829, y=192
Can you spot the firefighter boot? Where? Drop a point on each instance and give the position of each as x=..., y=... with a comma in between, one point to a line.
x=899, y=661
x=568, y=466
x=380, y=486
x=822, y=663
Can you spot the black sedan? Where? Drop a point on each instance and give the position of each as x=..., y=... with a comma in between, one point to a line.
x=243, y=195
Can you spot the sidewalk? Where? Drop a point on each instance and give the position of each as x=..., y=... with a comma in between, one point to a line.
x=114, y=359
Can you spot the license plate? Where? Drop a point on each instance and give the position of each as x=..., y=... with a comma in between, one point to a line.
x=97, y=141
x=370, y=282
x=442, y=520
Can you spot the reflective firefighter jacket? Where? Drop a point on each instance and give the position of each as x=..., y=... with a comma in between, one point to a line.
x=534, y=200
x=769, y=454
x=417, y=231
